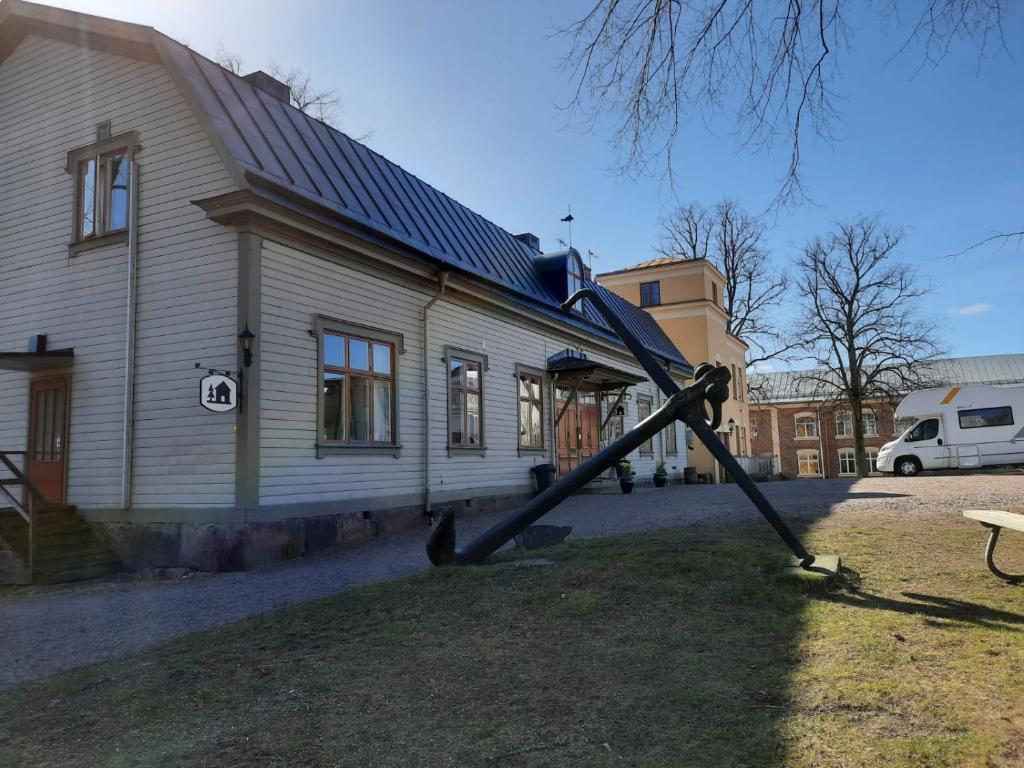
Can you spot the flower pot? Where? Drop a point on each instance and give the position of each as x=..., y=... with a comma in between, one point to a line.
x=626, y=484
x=660, y=481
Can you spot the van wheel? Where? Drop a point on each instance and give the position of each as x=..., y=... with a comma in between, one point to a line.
x=907, y=466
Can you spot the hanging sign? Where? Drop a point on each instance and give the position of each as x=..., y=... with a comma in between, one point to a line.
x=218, y=393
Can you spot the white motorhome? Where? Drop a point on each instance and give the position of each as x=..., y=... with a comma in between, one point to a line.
x=957, y=428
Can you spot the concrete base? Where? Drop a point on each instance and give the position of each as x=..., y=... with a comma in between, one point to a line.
x=824, y=570
x=221, y=546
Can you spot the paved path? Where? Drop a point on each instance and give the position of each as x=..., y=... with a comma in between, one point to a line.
x=61, y=629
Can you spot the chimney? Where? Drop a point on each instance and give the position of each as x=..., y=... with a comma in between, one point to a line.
x=270, y=85
x=588, y=273
x=530, y=239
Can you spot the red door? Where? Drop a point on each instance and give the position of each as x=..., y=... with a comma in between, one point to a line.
x=47, y=437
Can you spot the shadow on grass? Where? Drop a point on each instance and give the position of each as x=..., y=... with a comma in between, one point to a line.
x=934, y=607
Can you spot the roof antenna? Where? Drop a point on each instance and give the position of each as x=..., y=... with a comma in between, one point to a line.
x=569, y=220
x=590, y=260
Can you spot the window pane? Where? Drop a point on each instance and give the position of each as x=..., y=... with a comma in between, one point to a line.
x=359, y=414
x=472, y=419
x=359, y=354
x=455, y=372
x=381, y=411
x=455, y=413
x=382, y=358
x=118, y=214
x=87, y=201
x=536, y=430
x=334, y=407
x=524, y=422
x=524, y=386
x=986, y=417
x=334, y=350
x=473, y=375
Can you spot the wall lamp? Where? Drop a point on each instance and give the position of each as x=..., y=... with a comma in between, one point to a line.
x=245, y=341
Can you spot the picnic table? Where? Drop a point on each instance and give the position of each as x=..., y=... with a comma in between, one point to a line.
x=995, y=520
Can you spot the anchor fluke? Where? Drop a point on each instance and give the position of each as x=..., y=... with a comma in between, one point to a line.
x=441, y=544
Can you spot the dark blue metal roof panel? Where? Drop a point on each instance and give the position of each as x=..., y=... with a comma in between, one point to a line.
x=286, y=147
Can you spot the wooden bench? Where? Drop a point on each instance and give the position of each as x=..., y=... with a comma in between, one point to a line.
x=995, y=520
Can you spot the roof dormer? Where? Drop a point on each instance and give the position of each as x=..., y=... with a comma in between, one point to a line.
x=562, y=272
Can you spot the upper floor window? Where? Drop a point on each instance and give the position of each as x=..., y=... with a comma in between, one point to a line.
x=650, y=294
x=102, y=175
x=806, y=425
x=714, y=292
x=844, y=423
x=753, y=428
x=574, y=274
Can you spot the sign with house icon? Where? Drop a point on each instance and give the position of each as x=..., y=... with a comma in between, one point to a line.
x=218, y=393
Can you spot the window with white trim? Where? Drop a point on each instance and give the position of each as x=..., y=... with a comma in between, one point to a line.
x=844, y=424
x=847, y=461
x=870, y=421
x=902, y=425
x=805, y=426
x=872, y=457
x=808, y=464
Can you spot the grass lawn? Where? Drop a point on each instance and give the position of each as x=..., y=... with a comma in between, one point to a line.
x=682, y=648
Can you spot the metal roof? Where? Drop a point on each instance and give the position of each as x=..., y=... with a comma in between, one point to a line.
x=281, y=146
x=795, y=387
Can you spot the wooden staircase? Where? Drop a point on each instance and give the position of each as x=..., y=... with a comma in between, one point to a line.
x=44, y=543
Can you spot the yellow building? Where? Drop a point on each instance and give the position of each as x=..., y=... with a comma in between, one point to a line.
x=685, y=296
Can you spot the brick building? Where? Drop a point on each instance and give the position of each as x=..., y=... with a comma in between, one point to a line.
x=809, y=434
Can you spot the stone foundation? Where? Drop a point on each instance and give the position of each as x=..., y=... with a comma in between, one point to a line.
x=159, y=547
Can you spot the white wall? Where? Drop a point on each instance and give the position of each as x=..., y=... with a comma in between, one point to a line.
x=52, y=96
x=297, y=286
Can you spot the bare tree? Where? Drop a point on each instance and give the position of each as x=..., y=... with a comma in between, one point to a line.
x=732, y=240
x=321, y=103
x=655, y=64
x=860, y=319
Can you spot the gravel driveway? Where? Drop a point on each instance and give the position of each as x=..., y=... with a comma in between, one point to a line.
x=49, y=631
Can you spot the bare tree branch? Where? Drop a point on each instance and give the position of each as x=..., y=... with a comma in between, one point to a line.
x=656, y=65
x=860, y=319
x=731, y=239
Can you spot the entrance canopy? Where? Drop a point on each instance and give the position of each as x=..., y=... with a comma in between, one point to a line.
x=36, y=361
x=574, y=371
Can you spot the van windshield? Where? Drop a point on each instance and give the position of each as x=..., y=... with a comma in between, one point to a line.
x=923, y=430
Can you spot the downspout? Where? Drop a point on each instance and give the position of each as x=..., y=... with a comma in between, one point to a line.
x=128, y=436
x=442, y=282
x=821, y=443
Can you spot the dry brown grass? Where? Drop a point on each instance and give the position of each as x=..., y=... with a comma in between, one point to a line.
x=676, y=649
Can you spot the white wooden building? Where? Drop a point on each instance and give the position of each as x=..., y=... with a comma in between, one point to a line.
x=407, y=355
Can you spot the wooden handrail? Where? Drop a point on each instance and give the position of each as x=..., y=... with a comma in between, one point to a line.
x=25, y=508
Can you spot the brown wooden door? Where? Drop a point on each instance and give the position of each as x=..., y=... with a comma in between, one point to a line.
x=571, y=455
x=566, y=439
x=47, y=437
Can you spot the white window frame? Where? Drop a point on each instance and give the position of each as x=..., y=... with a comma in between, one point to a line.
x=807, y=453
x=850, y=455
x=796, y=425
x=871, y=453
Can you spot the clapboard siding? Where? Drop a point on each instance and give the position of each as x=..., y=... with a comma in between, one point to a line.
x=295, y=288
x=52, y=96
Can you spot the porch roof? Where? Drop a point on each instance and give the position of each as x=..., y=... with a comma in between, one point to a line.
x=572, y=370
x=36, y=361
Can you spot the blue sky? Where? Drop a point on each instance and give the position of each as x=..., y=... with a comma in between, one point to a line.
x=467, y=95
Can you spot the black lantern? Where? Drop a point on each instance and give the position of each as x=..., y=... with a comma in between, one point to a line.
x=245, y=340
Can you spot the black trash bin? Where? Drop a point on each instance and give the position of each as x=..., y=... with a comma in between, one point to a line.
x=544, y=474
